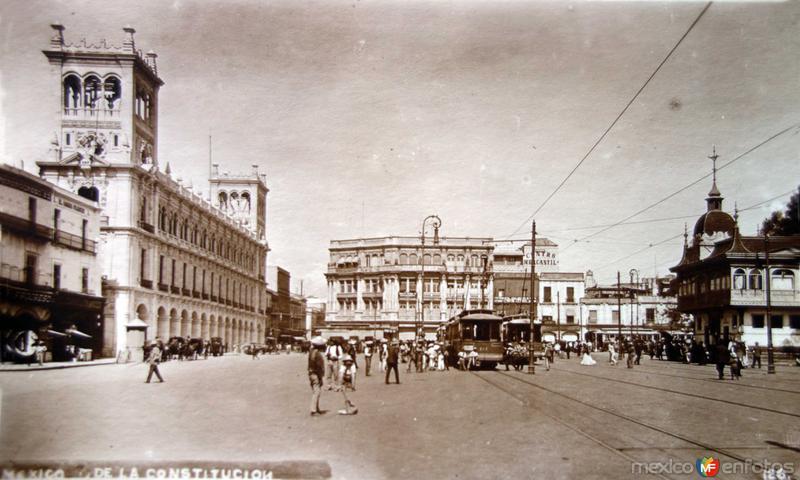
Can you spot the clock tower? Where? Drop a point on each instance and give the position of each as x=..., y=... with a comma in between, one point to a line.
x=106, y=114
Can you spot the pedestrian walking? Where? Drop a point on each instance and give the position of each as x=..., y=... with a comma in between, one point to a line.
x=347, y=382
x=548, y=356
x=153, y=360
x=612, y=353
x=722, y=358
x=736, y=367
x=316, y=370
x=756, y=356
x=391, y=362
x=367, y=356
x=630, y=351
x=332, y=354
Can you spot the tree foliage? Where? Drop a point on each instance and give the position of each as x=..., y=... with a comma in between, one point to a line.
x=786, y=222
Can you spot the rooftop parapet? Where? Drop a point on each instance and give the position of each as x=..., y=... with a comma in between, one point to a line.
x=58, y=44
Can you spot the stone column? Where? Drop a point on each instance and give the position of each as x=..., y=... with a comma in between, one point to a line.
x=490, y=292
x=420, y=296
x=467, y=292
x=443, y=298
x=360, y=294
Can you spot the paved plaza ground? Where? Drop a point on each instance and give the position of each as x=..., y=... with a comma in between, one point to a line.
x=571, y=422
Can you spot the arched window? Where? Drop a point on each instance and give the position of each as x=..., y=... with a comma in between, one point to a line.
x=451, y=258
x=72, y=93
x=755, y=280
x=426, y=259
x=413, y=259
x=437, y=259
x=739, y=279
x=162, y=218
x=112, y=92
x=245, y=207
x=143, y=210
x=782, y=279
x=223, y=200
x=403, y=259
x=90, y=193
x=91, y=92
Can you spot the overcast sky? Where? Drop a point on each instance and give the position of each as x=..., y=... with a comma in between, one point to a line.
x=368, y=116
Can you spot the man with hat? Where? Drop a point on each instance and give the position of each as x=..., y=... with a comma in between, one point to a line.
x=347, y=381
x=391, y=362
x=316, y=370
x=368, y=355
x=332, y=354
x=153, y=360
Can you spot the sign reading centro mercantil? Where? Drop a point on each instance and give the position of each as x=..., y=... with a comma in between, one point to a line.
x=546, y=258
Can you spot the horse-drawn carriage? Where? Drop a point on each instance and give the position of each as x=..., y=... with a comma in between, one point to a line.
x=184, y=348
x=216, y=348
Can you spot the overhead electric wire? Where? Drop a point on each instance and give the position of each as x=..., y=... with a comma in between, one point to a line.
x=750, y=150
x=678, y=235
x=603, y=136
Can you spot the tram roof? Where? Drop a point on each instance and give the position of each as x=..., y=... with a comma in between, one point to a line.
x=479, y=316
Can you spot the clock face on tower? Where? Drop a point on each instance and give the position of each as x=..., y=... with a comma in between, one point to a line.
x=92, y=145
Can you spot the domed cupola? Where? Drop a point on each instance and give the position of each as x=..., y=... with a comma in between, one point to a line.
x=715, y=224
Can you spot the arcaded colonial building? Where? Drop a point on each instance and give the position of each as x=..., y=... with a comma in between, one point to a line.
x=174, y=263
x=389, y=285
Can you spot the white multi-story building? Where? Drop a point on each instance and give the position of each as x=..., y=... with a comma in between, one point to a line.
x=558, y=293
x=49, y=268
x=394, y=285
x=640, y=307
x=174, y=263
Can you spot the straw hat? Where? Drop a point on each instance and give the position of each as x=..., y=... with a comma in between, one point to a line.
x=347, y=358
x=318, y=341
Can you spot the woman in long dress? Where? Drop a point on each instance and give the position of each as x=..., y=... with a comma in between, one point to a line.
x=587, y=357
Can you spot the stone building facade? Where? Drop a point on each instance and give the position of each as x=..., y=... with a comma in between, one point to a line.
x=392, y=285
x=49, y=269
x=174, y=263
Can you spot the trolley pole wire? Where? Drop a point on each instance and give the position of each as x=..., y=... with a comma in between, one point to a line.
x=726, y=164
x=619, y=116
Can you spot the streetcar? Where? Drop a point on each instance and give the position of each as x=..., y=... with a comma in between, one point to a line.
x=477, y=334
x=516, y=333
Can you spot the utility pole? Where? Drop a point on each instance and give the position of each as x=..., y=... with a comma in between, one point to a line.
x=531, y=366
x=770, y=352
x=619, y=310
x=558, y=315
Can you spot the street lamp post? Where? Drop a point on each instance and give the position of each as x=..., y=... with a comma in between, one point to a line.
x=420, y=317
x=770, y=351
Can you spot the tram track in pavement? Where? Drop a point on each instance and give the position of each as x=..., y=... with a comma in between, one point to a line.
x=619, y=451
x=678, y=392
x=753, y=372
x=712, y=380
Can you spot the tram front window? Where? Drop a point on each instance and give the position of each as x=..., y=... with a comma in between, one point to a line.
x=482, y=331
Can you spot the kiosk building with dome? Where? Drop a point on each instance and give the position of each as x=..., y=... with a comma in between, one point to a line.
x=734, y=284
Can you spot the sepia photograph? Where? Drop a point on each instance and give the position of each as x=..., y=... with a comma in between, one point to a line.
x=397, y=239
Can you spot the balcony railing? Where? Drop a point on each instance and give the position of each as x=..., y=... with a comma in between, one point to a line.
x=74, y=241
x=195, y=294
x=175, y=290
x=146, y=227
x=205, y=296
x=93, y=113
x=186, y=292
x=146, y=283
x=163, y=287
